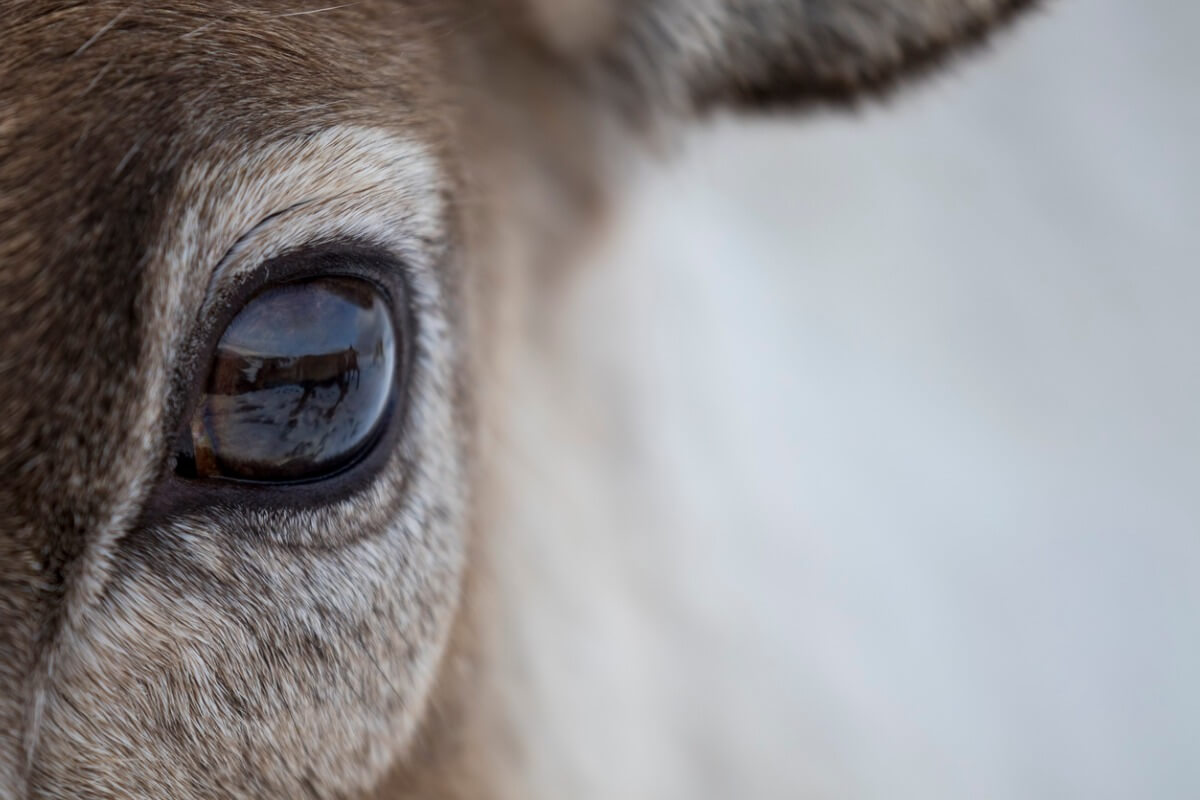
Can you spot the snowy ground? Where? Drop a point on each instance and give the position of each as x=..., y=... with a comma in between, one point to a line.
x=915, y=400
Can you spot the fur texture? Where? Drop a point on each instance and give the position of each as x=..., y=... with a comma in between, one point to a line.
x=151, y=153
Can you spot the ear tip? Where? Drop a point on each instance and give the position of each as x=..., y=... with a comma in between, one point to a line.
x=851, y=83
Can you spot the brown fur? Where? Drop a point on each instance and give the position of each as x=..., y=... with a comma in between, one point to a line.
x=352, y=645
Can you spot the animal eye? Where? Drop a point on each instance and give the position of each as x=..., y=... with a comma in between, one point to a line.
x=299, y=386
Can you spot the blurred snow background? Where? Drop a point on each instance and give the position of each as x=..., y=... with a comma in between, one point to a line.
x=912, y=403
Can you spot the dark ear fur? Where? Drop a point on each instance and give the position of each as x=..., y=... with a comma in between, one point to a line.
x=690, y=56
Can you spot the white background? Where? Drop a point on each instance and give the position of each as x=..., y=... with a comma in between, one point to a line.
x=913, y=400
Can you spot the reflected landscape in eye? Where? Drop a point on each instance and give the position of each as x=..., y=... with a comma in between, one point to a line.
x=299, y=383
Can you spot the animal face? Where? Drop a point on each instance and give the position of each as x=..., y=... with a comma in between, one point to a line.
x=260, y=264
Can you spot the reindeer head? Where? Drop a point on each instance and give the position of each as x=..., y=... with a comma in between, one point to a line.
x=259, y=264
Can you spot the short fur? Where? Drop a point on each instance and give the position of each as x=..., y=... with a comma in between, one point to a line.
x=148, y=151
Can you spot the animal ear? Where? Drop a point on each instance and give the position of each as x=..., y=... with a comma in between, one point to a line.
x=691, y=56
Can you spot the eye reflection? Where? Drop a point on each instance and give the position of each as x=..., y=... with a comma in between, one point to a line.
x=298, y=386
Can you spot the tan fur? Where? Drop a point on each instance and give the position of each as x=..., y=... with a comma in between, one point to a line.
x=149, y=153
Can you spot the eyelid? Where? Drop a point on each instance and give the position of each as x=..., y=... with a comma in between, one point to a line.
x=226, y=269
x=237, y=206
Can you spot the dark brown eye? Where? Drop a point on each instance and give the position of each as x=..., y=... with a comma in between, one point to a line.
x=299, y=385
